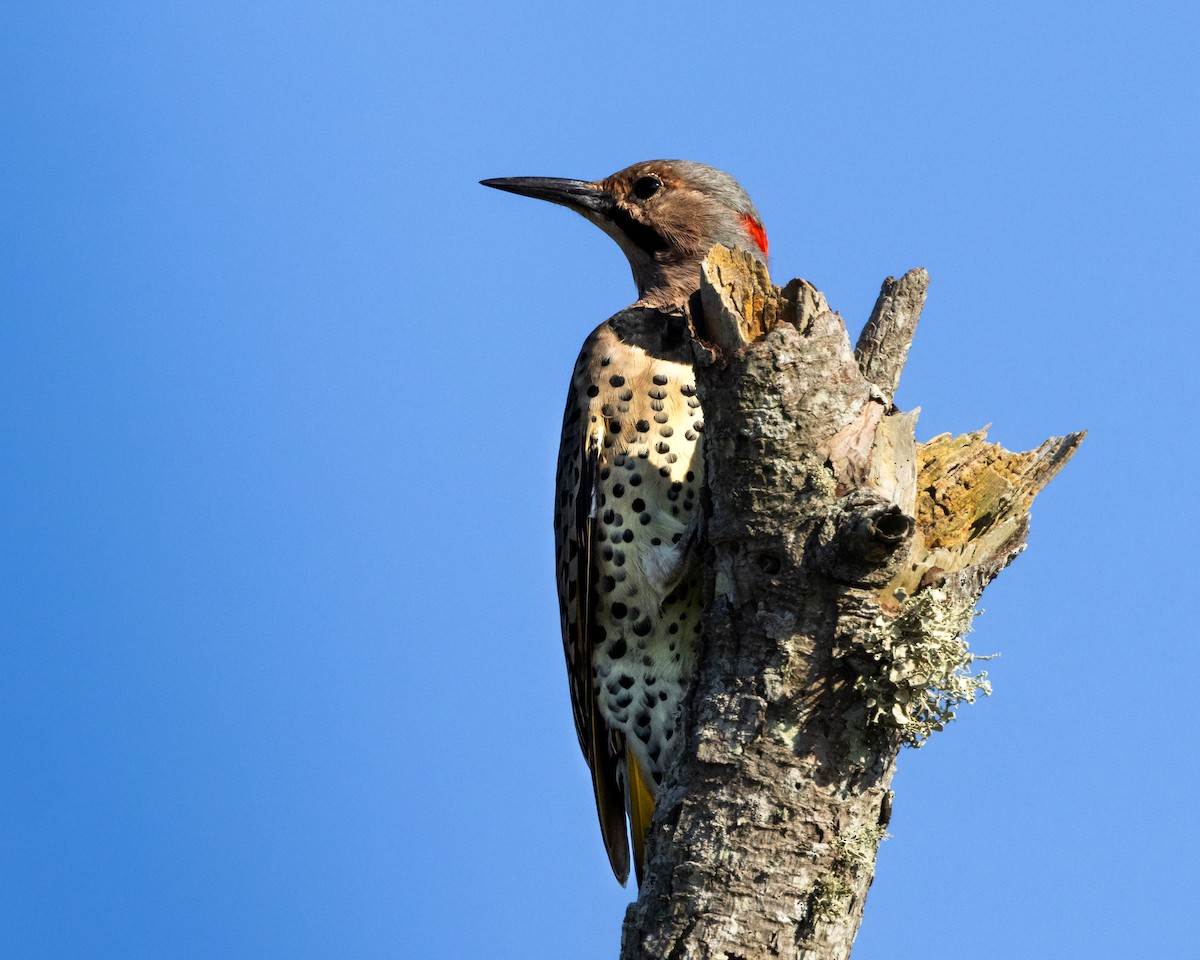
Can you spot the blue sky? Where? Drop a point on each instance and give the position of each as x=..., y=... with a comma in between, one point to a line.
x=280, y=673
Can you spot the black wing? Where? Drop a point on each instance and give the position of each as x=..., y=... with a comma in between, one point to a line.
x=574, y=530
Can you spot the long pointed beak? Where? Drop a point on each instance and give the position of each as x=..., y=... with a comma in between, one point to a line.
x=578, y=195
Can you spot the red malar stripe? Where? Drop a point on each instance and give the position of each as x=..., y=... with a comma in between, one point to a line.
x=756, y=231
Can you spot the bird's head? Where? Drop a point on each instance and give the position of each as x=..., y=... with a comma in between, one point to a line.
x=664, y=214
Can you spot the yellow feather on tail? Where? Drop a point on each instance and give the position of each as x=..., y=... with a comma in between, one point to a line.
x=641, y=810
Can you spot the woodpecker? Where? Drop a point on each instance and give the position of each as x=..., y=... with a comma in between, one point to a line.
x=630, y=470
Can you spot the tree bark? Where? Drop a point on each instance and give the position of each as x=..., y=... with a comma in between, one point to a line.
x=842, y=563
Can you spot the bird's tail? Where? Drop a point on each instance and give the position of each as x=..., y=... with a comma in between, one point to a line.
x=641, y=810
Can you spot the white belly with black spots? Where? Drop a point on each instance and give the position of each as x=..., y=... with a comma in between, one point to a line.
x=647, y=604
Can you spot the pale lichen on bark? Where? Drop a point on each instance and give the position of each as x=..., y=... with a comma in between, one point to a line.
x=842, y=562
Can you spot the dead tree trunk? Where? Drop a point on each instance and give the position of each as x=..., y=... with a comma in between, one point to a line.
x=842, y=562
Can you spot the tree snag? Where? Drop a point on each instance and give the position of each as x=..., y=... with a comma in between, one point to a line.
x=842, y=564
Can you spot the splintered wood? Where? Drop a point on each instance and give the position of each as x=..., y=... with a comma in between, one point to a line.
x=967, y=486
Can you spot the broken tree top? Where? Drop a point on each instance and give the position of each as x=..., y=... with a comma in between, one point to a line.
x=969, y=499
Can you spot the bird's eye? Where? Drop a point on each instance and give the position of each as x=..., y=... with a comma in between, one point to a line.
x=646, y=187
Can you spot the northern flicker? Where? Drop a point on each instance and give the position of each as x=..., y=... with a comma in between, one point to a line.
x=630, y=469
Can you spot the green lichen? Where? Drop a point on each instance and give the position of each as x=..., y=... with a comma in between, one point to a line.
x=857, y=847
x=913, y=670
x=828, y=898
x=853, y=851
